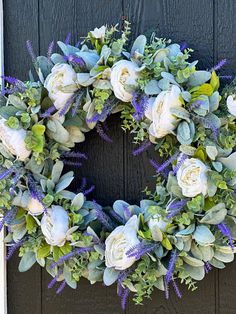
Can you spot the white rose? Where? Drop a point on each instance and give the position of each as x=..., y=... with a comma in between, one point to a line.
x=158, y=111
x=99, y=33
x=55, y=225
x=34, y=207
x=123, y=77
x=231, y=105
x=61, y=76
x=119, y=242
x=14, y=140
x=192, y=177
x=157, y=221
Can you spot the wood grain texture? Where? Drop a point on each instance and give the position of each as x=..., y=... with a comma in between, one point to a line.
x=21, y=24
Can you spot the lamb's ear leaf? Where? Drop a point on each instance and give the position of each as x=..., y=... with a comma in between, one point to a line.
x=27, y=261
x=110, y=275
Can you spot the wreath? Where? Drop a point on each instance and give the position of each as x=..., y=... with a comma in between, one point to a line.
x=179, y=231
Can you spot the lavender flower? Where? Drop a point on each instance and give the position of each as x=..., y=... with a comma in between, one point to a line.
x=48, y=112
x=68, y=39
x=196, y=104
x=68, y=256
x=117, y=217
x=6, y=217
x=83, y=185
x=176, y=288
x=13, y=248
x=75, y=60
x=176, y=207
x=139, y=103
x=141, y=249
x=31, y=51
x=67, y=105
x=180, y=161
x=145, y=145
x=106, y=111
x=166, y=287
x=102, y=133
x=163, y=167
x=78, y=99
x=171, y=266
x=219, y=65
x=226, y=77
x=72, y=163
x=50, y=49
x=77, y=44
x=90, y=190
x=124, y=298
x=207, y=267
x=9, y=79
x=102, y=217
x=6, y=173
x=61, y=287
x=75, y=155
x=227, y=233
x=127, y=211
x=35, y=193
x=17, y=85
x=156, y=166
x=183, y=46
x=54, y=280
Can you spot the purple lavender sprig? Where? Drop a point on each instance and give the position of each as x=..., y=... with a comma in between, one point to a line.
x=50, y=49
x=219, y=65
x=207, y=267
x=61, y=287
x=67, y=105
x=102, y=133
x=6, y=217
x=54, y=280
x=183, y=46
x=117, y=217
x=78, y=100
x=176, y=288
x=163, y=167
x=72, y=163
x=171, y=266
x=48, y=112
x=68, y=39
x=226, y=77
x=176, y=207
x=166, y=289
x=124, y=298
x=75, y=60
x=31, y=51
x=13, y=248
x=89, y=190
x=164, y=173
x=141, y=249
x=74, y=155
x=127, y=211
x=145, y=145
x=34, y=191
x=139, y=103
x=68, y=256
x=227, y=233
x=102, y=217
x=180, y=161
x=6, y=173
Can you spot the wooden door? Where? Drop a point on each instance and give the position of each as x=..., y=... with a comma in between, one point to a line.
x=206, y=25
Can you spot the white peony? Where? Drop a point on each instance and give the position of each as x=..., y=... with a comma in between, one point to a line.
x=158, y=111
x=123, y=77
x=55, y=225
x=99, y=33
x=34, y=207
x=119, y=242
x=192, y=177
x=61, y=76
x=231, y=105
x=14, y=140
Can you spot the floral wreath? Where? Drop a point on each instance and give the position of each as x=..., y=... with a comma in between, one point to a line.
x=182, y=229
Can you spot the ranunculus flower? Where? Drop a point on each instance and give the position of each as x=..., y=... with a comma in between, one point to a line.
x=55, y=225
x=62, y=76
x=14, y=140
x=99, y=33
x=119, y=242
x=158, y=111
x=34, y=207
x=123, y=77
x=192, y=177
x=231, y=105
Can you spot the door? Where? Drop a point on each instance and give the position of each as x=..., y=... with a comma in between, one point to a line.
x=209, y=27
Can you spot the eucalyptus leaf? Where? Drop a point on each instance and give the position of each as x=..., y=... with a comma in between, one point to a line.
x=203, y=235
x=110, y=275
x=197, y=273
x=152, y=88
x=27, y=261
x=199, y=77
x=215, y=215
x=192, y=261
x=229, y=162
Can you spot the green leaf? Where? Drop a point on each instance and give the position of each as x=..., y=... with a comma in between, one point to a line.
x=66, y=248
x=166, y=243
x=110, y=275
x=44, y=250
x=215, y=215
x=27, y=261
x=31, y=224
x=203, y=235
x=215, y=81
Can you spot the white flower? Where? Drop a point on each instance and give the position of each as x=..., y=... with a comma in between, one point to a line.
x=62, y=76
x=99, y=33
x=157, y=221
x=123, y=77
x=55, y=225
x=192, y=177
x=119, y=242
x=34, y=207
x=14, y=141
x=231, y=105
x=158, y=111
